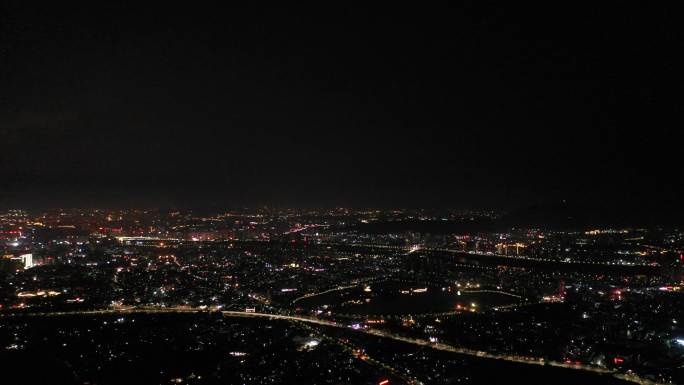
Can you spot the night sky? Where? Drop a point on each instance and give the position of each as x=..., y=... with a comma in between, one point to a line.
x=477, y=105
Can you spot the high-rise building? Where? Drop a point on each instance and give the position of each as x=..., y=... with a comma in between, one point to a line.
x=27, y=260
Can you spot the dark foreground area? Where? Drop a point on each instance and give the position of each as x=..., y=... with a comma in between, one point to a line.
x=209, y=349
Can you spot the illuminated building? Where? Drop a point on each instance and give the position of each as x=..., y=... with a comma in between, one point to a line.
x=27, y=260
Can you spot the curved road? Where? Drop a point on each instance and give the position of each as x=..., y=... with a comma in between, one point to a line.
x=374, y=332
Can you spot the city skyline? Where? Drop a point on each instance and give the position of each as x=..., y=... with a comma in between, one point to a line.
x=334, y=296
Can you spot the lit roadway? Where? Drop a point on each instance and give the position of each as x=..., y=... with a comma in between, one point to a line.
x=412, y=249
x=352, y=285
x=374, y=332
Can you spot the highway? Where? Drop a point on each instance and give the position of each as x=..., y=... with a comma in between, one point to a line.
x=328, y=323
x=351, y=285
x=334, y=289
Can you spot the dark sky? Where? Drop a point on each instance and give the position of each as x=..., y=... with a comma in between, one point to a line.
x=471, y=105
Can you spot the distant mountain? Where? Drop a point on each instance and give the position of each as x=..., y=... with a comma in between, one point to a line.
x=426, y=226
x=576, y=216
